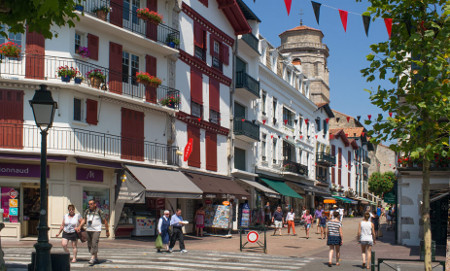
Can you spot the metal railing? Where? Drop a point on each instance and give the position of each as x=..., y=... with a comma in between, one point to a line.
x=322, y=178
x=246, y=128
x=325, y=158
x=295, y=167
x=252, y=41
x=243, y=80
x=46, y=68
x=89, y=142
x=128, y=19
x=366, y=159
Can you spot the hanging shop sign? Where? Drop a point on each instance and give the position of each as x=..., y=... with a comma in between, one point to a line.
x=89, y=174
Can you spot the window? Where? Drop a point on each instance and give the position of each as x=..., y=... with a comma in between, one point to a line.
x=16, y=38
x=264, y=98
x=129, y=11
x=196, y=110
x=130, y=66
x=300, y=120
x=216, y=63
x=239, y=159
x=325, y=127
x=318, y=124
x=77, y=109
x=274, y=108
x=274, y=150
x=263, y=146
x=199, y=41
x=288, y=117
x=214, y=116
x=100, y=196
x=289, y=77
x=77, y=41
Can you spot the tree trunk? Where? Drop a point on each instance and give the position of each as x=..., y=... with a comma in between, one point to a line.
x=426, y=213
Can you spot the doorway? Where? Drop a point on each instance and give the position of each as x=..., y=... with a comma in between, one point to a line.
x=31, y=208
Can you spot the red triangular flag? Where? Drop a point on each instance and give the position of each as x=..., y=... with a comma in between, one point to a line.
x=199, y=119
x=271, y=136
x=316, y=136
x=390, y=114
x=287, y=137
x=264, y=121
x=343, y=15
x=388, y=23
x=301, y=137
x=306, y=121
x=362, y=133
x=369, y=116
x=288, y=5
x=285, y=122
x=242, y=120
x=348, y=119
x=327, y=120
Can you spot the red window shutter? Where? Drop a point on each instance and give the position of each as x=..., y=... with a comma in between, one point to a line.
x=214, y=95
x=91, y=111
x=339, y=177
x=152, y=29
x=199, y=36
x=35, y=55
x=132, y=143
x=11, y=119
x=339, y=157
x=93, y=46
x=349, y=162
x=196, y=86
x=224, y=54
x=150, y=67
x=116, y=16
x=349, y=183
x=333, y=180
x=211, y=151
x=194, y=158
x=115, y=67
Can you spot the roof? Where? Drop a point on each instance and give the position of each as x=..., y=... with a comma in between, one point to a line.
x=248, y=13
x=235, y=16
x=302, y=27
x=327, y=108
x=354, y=131
x=339, y=133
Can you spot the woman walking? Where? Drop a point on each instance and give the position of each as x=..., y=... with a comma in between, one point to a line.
x=366, y=237
x=200, y=220
x=290, y=221
x=163, y=229
x=308, y=218
x=322, y=225
x=68, y=225
x=335, y=238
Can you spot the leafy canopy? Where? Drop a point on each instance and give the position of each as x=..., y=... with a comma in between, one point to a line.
x=39, y=15
x=416, y=61
x=379, y=184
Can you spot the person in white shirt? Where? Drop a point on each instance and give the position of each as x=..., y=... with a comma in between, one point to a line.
x=290, y=221
x=341, y=213
x=69, y=224
x=366, y=237
x=163, y=229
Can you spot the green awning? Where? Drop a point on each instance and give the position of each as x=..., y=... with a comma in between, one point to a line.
x=282, y=188
x=345, y=200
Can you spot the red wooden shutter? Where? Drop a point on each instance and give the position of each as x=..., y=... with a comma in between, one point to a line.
x=214, y=95
x=150, y=67
x=132, y=143
x=349, y=162
x=333, y=168
x=152, y=29
x=116, y=16
x=339, y=177
x=339, y=157
x=93, y=46
x=91, y=111
x=139, y=135
x=199, y=36
x=115, y=67
x=35, y=55
x=11, y=119
x=333, y=180
x=196, y=86
x=194, y=158
x=125, y=135
x=224, y=54
x=211, y=151
x=349, y=177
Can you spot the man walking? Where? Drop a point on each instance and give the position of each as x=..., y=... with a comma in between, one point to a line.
x=177, y=224
x=93, y=218
x=278, y=218
x=317, y=216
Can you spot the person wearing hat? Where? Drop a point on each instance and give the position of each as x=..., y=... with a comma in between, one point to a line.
x=335, y=208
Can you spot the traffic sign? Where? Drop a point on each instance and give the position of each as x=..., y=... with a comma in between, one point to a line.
x=252, y=236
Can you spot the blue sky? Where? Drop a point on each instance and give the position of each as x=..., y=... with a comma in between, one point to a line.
x=348, y=50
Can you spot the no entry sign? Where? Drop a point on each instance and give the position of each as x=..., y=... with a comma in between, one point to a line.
x=252, y=236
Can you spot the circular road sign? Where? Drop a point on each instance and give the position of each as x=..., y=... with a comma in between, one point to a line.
x=252, y=236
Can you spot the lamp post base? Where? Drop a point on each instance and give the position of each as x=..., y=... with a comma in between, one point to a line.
x=43, y=258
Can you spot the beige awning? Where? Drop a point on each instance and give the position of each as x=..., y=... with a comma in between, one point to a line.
x=267, y=191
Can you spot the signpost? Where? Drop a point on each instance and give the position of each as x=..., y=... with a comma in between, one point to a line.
x=252, y=234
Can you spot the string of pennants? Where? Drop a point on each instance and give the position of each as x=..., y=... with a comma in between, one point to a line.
x=343, y=14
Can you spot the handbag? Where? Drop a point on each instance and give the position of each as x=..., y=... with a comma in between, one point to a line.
x=82, y=235
x=158, y=242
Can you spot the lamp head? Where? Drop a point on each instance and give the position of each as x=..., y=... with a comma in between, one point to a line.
x=43, y=107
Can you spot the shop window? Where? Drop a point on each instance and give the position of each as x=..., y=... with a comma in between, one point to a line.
x=10, y=204
x=101, y=198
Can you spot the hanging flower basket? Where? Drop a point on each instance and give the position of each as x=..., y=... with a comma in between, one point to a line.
x=10, y=49
x=171, y=101
x=102, y=12
x=66, y=73
x=148, y=80
x=150, y=16
x=96, y=77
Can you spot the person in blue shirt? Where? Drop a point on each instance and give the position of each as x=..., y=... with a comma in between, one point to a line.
x=177, y=234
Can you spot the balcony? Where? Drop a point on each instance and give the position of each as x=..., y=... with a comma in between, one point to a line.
x=246, y=130
x=294, y=167
x=246, y=84
x=122, y=16
x=366, y=161
x=325, y=159
x=322, y=178
x=75, y=141
x=252, y=42
x=45, y=68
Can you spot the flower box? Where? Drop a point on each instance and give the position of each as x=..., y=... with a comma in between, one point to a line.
x=170, y=101
x=10, y=49
x=149, y=15
x=83, y=51
x=66, y=73
x=96, y=77
x=148, y=80
x=102, y=12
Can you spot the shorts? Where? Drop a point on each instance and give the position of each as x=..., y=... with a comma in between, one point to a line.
x=323, y=225
x=71, y=236
x=278, y=224
x=307, y=226
x=366, y=243
x=334, y=240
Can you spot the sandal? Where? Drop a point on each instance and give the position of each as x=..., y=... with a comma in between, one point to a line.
x=364, y=265
x=338, y=264
x=329, y=264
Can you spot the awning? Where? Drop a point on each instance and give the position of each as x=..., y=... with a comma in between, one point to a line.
x=282, y=188
x=363, y=200
x=267, y=191
x=316, y=190
x=217, y=187
x=345, y=200
x=162, y=183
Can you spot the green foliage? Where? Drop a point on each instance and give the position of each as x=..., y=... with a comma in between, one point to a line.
x=38, y=15
x=380, y=184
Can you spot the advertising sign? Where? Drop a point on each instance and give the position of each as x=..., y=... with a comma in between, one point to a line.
x=188, y=149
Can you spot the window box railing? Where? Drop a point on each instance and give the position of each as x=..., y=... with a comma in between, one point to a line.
x=45, y=68
x=325, y=159
x=246, y=128
x=243, y=80
x=252, y=41
x=80, y=141
x=295, y=167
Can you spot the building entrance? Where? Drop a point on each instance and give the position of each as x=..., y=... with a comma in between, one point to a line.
x=31, y=208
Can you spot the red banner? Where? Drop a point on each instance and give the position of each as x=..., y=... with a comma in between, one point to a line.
x=188, y=149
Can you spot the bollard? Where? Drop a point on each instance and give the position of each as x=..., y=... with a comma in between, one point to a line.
x=372, y=261
x=60, y=261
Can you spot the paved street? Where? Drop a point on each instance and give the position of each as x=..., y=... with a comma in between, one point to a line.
x=216, y=253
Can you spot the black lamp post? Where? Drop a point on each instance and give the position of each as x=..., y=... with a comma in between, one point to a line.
x=43, y=107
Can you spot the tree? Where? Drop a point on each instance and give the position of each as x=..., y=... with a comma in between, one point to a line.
x=415, y=61
x=379, y=184
x=38, y=15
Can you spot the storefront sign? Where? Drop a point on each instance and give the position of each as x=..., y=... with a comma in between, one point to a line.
x=13, y=203
x=13, y=211
x=21, y=170
x=89, y=174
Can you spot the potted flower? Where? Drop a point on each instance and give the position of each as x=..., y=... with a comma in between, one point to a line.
x=66, y=73
x=172, y=41
x=149, y=15
x=10, y=49
x=147, y=79
x=96, y=77
x=102, y=12
x=83, y=51
x=170, y=101
x=78, y=78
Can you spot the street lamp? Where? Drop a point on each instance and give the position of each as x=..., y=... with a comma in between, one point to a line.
x=43, y=107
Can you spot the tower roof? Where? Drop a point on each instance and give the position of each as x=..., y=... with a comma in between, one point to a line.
x=300, y=28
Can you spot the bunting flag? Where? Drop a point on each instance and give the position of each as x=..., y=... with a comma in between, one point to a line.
x=316, y=136
x=343, y=14
x=348, y=119
x=327, y=120
x=388, y=23
x=285, y=122
x=264, y=121
x=369, y=116
x=288, y=5
x=390, y=114
x=316, y=7
x=306, y=121
x=271, y=136
x=243, y=120
x=362, y=133
x=358, y=117
x=199, y=119
x=287, y=137
x=366, y=22
x=301, y=137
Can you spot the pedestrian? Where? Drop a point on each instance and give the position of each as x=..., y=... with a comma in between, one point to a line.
x=163, y=229
x=379, y=211
x=308, y=218
x=177, y=224
x=322, y=225
x=69, y=223
x=278, y=220
x=317, y=215
x=290, y=217
x=376, y=223
x=389, y=218
x=267, y=214
x=303, y=211
x=335, y=238
x=366, y=237
x=93, y=217
x=200, y=220
x=341, y=213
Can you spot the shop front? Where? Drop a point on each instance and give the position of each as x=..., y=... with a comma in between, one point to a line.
x=290, y=198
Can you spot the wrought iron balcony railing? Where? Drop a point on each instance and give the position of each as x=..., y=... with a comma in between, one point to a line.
x=80, y=141
x=246, y=128
x=324, y=158
x=252, y=41
x=295, y=167
x=366, y=159
x=243, y=80
x=46, y=68
x=322, y=178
